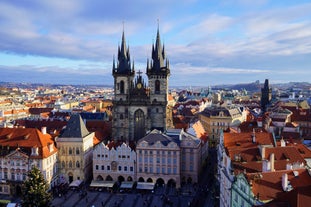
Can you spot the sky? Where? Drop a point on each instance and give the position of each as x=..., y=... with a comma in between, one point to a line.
x=208, y=42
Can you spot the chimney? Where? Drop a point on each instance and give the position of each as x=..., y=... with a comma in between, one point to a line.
x=254, y=136
x=283, y=143
x=43, y=130
x=263, y=152
x=266, y=166
x=285, y=182
x=272, y=162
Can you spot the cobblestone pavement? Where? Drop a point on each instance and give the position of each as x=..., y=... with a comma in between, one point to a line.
x=160, y=198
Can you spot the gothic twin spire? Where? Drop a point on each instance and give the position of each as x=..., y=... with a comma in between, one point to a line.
x=156, y=66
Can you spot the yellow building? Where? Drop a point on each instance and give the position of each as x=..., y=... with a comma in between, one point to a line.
x=217, y=118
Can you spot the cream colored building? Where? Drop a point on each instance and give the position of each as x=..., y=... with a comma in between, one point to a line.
x=22, y=148
x=114, y=162
x=75, y=145
x=217, y=118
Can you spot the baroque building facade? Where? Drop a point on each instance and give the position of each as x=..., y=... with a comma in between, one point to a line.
x=138, y=108
x=20, y=150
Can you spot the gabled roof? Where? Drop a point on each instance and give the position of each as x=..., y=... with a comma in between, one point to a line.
x=244, y=139
x=26, y=138
x=268, y=186
x=75, y=128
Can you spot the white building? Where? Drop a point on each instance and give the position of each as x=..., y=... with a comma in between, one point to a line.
x=114, y=162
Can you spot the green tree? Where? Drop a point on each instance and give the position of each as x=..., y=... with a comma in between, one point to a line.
x=35, y=190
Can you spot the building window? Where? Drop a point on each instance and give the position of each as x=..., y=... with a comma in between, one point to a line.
x=168, y=170
x=70, y=151
x=120, y=168
x=163, y=170
x=150, y=159
x=157, y=87
x=103, y=167
x=5, y=175
x=146, y=169
x=140, y=169
x=125, y=168
x=108, y=168
x=151, y=169
x=122, y=87
x=158, y=169
x=78, y=164
x=77, y=151
x=158, y=159
x=131, y=169
x=12, y=176
x=96, y=167
x=70, y=164
x=175, y=170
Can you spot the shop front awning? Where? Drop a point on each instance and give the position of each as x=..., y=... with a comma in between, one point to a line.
x=102, y=184
x=75, y=183
x=127, y=185
x=145, y=186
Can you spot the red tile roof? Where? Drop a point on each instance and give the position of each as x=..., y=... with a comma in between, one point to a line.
x=27, y=138
x=268, y=186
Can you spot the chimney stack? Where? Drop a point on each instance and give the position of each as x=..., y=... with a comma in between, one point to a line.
x=254, y=136
x=272, y=162
x=43, y=130
x=285, y=182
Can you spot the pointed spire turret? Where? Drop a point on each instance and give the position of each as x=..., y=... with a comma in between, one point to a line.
x=124, y=60
x=158, y=55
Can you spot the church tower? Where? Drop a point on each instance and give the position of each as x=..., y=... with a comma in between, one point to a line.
x=123, y=74
x=158, y=73
x=266, y=95
x=138, y=108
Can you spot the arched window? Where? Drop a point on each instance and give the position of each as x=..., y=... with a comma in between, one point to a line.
x=157, y=87
x=78, y=164
x=139, y=124
x=77, y=151
x=122, y=87
x=70, y=151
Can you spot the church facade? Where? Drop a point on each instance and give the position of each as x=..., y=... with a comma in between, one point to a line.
x=139, y=107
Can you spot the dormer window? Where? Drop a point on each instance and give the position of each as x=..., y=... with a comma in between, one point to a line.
x=35, y=151
x=51, y=147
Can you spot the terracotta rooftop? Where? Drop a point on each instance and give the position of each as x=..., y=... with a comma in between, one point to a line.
x=268, y=186
x=27, y=138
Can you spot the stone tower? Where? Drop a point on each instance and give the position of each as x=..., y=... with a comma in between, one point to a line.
x=266, y=95
x=138, y=108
